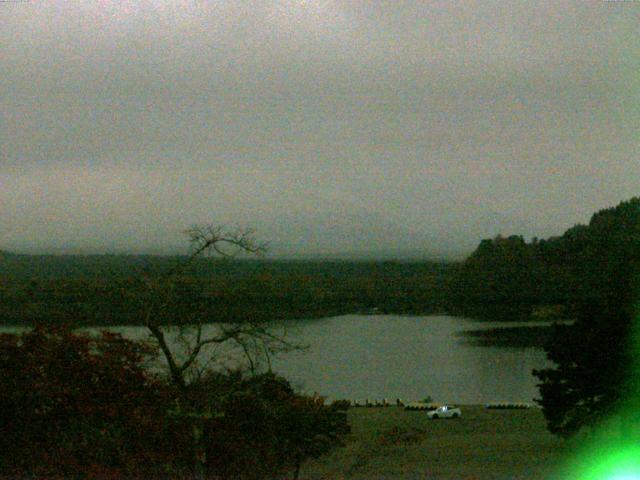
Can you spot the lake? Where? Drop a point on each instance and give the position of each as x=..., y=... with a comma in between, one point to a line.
x=360, y=357
x=388, y=356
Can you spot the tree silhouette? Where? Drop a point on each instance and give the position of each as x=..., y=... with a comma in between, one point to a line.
x=595, y=357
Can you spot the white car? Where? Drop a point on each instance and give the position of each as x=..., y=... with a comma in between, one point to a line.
x=445, y=411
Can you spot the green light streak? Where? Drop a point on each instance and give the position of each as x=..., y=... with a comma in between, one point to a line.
x=606, y=462
x=613, y=452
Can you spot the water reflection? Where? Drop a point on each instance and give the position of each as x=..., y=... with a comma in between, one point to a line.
x=387, y=356
x=359, y=357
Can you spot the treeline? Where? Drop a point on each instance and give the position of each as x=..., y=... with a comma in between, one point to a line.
x=509, y=278
x=97, y=290
x=504, y=278
x=595, y=359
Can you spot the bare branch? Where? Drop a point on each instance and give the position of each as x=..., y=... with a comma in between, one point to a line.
x=195, y=351
x=254, y=338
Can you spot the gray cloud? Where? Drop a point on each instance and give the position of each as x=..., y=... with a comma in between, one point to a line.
x=332, y=127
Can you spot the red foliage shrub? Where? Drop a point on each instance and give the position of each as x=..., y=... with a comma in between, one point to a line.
x=264, y=428
x=74, y=406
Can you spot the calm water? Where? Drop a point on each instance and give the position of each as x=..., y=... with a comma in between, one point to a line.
x=388, y=356
x=359, y=357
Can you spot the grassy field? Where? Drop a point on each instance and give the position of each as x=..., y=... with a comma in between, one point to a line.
x=390, y=443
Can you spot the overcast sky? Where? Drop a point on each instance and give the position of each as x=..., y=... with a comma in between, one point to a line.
x=332, y=127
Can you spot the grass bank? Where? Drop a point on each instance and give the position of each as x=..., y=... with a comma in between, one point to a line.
x=390, y=443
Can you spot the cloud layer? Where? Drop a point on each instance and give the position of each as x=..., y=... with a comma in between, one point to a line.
x=332, y=127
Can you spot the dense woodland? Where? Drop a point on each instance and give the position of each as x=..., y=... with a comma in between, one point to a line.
x=96, y=290
x=505, y=278
x=512, y=278
x=596, y=358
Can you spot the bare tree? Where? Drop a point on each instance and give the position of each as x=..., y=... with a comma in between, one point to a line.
x=254, y=338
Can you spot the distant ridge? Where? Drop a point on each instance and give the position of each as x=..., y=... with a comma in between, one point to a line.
x=275, y=256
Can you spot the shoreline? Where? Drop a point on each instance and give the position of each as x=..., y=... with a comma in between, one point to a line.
x=482, y=444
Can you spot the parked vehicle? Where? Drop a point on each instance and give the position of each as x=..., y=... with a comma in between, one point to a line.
x=445, y=411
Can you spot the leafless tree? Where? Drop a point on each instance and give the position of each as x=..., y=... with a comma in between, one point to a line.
x=255, y=339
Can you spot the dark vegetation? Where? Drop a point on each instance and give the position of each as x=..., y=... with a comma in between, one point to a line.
x=597, y=357
x=74, y=406
x=508, y=278
x=590, y=275
x=552, y=278
x=95, y=290
x=505, y=278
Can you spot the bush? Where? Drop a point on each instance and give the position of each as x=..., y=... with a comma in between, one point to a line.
x=263, y=428
x=76, y=406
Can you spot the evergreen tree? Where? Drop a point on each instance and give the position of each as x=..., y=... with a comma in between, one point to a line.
x=594, y=357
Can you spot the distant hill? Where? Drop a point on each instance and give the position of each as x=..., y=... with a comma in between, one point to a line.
x=514, y=279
